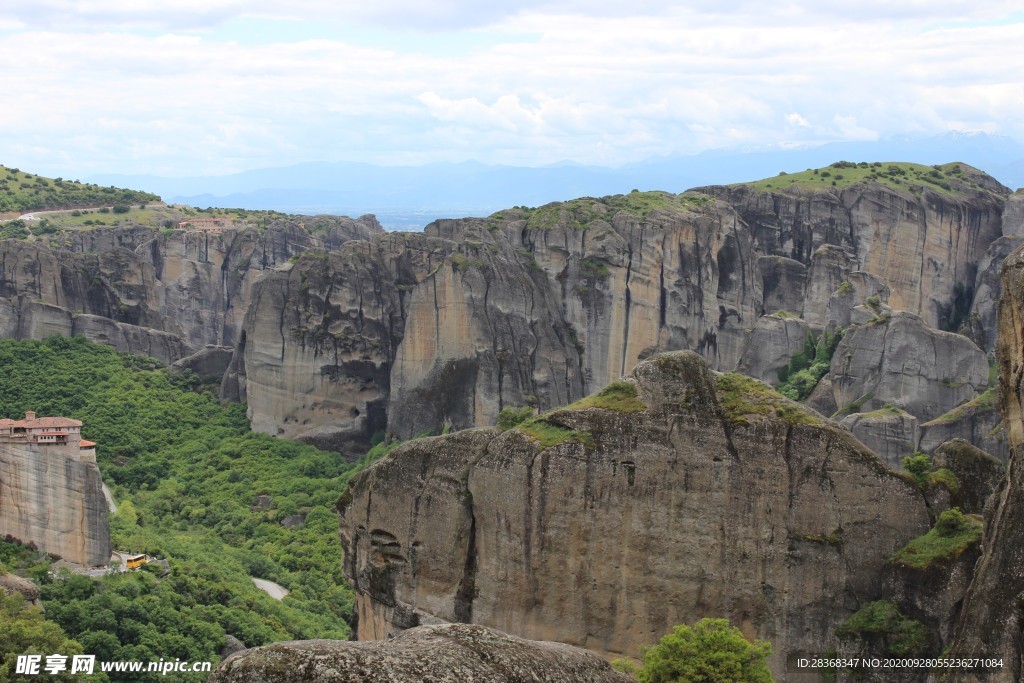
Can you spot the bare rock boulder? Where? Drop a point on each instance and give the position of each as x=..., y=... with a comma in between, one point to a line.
x=448, y=653
x=898, y=359
x=12, y=583
x=977, y=421
x=889, y=432
x=774, y=340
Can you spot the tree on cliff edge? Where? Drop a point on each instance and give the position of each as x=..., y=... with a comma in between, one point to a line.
x=711, y=651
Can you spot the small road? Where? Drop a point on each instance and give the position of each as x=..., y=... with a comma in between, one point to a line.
x=274, y=590
x=34, y=215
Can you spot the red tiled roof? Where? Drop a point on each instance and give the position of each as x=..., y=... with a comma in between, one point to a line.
x=46, y=423
x=86, y=444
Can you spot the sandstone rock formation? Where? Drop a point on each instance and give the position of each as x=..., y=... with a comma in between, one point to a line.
x=528, y=307
x=55, y=501
x=415, y=330
x=932, y=596
x=992, y=619
x=540, y=306
x=899, y=360
x=978, y=473
x=208, y=363
x=846, y=304
x=985, y=307
x=920, y=243
x=771, y=345
x=1013, y=214
x=784, y=281
x=12, y=583
x=451, y=653
x=147, y=292
x=977, y=421
x=889, y=432
x=606, y=523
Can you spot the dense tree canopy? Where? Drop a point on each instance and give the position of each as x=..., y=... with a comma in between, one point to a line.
x=711, y=651
x=194, y=486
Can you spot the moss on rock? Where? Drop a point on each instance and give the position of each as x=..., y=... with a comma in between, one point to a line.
x=742, y=396
x=620, y=395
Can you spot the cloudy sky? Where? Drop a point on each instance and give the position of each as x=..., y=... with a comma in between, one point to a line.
x=196, y=87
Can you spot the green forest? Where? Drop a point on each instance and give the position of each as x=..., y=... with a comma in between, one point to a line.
x=196, y=487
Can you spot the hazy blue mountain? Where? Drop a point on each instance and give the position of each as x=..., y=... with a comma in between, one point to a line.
x=408, y=197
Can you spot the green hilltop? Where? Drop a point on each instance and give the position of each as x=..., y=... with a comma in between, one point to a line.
x=581, y=212
x=952, y=179
x=21, y=192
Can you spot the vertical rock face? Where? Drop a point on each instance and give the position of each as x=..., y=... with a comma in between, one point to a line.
x=314, y=356
x=842, y=309
x=145, y=292
x=980, y=475
x=985, y=307
x=784, y=282
x=635, y=281
x=897, y=359
x=771, y=345
x=891, y=433
x=539, y=306
x=54, y=500
x=920, y=244
x=1013, y=215
x=529, y=307
x=713, y=499
x=977, y=421
x=992, y=619
x=475, y=315
x=830, y=267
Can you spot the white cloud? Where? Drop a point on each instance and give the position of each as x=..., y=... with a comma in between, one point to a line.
x=589, y=82
x=794, y=119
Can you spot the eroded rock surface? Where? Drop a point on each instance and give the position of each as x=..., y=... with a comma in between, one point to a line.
x=977, y=421
x=407, y=333
x=891, y=433
x=717, y=498
x=771, y=345
x=899, y=360
x=992, y=619
x=450, y=653
x=147, y=292
x=55, y=501
x=978, y=473
x=983, y=322
x=921, y=244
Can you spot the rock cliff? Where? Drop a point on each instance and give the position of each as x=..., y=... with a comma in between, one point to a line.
x=674, y=494
x=161, y=294
x=897, y=359
x=530, y=307
x=921, y=241
x=541, y=306
x=55, y=501
x=451, y=653
x=992, y=619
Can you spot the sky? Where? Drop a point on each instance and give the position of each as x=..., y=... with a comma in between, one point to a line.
x=209, y=87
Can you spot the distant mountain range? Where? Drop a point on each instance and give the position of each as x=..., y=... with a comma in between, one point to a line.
x=409, y=197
